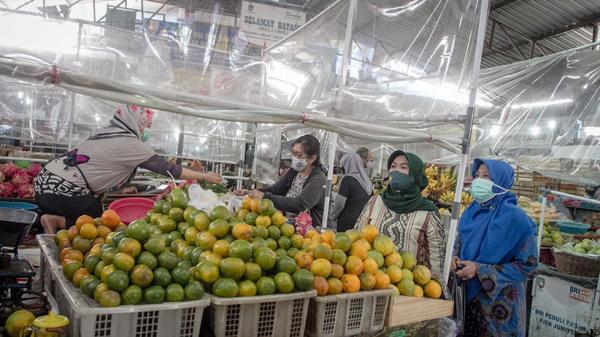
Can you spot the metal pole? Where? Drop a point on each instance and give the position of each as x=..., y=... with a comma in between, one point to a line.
x=73, y=95
x=473, y=82
x=159, y=9
x=241, y=166
x=596, y=35
x=344, y=73
x=94, y=9
x=381, y=159
x=541, y=226
x=143, y=25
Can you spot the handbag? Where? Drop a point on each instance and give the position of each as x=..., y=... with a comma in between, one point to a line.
x=452, y=327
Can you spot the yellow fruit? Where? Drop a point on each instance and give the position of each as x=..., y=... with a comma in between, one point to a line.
x=354, y=265
x=360, y=249
x=82, y=220
x=321, y=267
x=17, y=322
x=395, y=273
x=111, y=219
x=311, y=233
x=384, y=245
x=242, y=213
x=254, y=205
x=351, y=283
x=407, y=274
x=278, y=219
x=321, y=251
x=369, y=233
x=418, y=292
x=354, y=235
x=370, y=266
x=335, y=286
x=406, y=287
x=392, y=259
x=88, y=231
x=337, y=270
x=432, y=289
x=367, y=281
x=221, y=248
x=263, y=220
x=421, y=274
x=247, y=204
x=242, y=231
x=303, y=259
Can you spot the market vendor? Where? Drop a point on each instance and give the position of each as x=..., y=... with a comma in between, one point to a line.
x=401, y=213
x=71, y=185
x=496, y=253
x=303, y=187
x=353, y=194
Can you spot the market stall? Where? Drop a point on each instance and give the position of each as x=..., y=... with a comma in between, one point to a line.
x=312, y=78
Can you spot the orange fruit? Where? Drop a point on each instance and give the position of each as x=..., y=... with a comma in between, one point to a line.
x=303, y=259
x=74, y=255
x=64, y=243
x=254, y=205
x=367, y=281
x=88, y=231
x=337, y=270
x=327, y=236
x=354, y=265
x=320, y=285
x=369, y=233
x=370, y=266
x=418, y=291
x=350, y=283
x=73, y=232
x=79, y=275
x=98, y=241
x=432, y=289
x=103, y=231
x=335, y=286
x=382, y=280
x=82, y=220
x=311, y=233
x=395, y=273
x=111, y=219
x=360, y=249
x=247, y=203
x=63, y=252
x=242, y=231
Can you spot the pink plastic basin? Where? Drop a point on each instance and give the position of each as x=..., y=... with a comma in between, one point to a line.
x=130, y=209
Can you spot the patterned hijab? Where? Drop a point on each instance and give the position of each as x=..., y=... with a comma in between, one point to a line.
x=128, y=121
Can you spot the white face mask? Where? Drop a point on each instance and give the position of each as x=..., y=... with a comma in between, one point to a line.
x=299, y=164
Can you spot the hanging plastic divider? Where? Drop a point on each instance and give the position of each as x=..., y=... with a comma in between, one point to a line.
x=471, y=111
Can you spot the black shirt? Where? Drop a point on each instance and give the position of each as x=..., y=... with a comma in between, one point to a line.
x=356, y=199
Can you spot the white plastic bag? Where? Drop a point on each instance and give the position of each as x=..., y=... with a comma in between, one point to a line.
x=204, y=200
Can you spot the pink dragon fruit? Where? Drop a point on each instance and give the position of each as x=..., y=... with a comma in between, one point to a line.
x=9, y=169
x=7, y=190
x=21, y=178
x=25, y=191
x=303, y=223
x=34, y=169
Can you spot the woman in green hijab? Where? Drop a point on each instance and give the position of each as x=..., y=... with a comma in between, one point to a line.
x=400, y=212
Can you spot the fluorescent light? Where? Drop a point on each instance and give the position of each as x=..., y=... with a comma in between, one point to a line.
x=551, y=124
x=535, y=130
x=495, y=130
x=97, y=117
x=28, y=100
x=592, y=130
x=238, y=133
x=197, y=148
x=542, y=103
x=20, y=95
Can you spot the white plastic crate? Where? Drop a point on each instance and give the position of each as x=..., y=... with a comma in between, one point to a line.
x=88, y=319
x=260, y=316
x=348, y=314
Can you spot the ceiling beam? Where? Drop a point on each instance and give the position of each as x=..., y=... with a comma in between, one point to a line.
x=502, y=4
x=583, y=22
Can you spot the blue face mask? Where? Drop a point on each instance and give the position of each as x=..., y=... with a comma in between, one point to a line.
x=146, y=135
x=482, y=190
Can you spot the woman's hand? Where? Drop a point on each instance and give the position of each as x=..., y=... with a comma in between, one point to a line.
x=468, y=271
x=454, y=263
x=256, y=194
x=212, y=178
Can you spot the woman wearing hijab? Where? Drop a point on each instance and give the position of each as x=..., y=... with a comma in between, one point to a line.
x=353, y=194
x=71, y=185
x=497, y=253
x=400, y=212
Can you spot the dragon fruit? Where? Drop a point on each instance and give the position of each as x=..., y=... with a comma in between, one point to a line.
x=25, y=191
x=9, y=169
x=7, y=190
x=21, y=178
x=303, y=223
x=34, y=169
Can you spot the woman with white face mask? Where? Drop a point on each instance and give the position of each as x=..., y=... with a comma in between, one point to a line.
x=496, y=252
x=302, y=188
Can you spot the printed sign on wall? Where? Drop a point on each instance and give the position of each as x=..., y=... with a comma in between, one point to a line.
x=264, y=25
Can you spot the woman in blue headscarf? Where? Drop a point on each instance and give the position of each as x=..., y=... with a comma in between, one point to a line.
x=496, y=253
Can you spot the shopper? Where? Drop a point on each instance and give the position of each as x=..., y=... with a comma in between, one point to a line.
x=353, y=194
x=366, y=157
x=303, y=187
x=72, y=185
x=497, y=253
x=400, y=212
